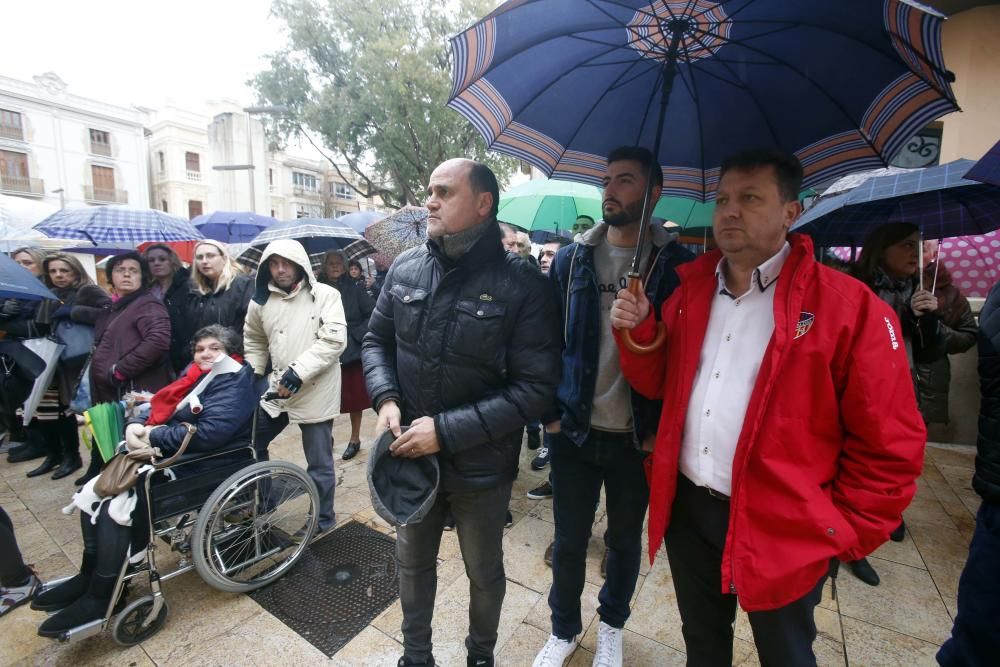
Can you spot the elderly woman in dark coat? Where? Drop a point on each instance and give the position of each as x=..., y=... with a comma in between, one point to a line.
x=358, y=307
x=131, y=339
x=216, y=395
x=80, y=303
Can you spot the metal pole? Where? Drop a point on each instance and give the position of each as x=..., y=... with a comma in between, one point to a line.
x=253, y=199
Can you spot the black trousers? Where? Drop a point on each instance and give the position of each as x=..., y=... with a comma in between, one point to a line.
x=695, y=540
x=13, y=571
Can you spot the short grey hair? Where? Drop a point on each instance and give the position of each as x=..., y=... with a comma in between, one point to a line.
x=230, y=340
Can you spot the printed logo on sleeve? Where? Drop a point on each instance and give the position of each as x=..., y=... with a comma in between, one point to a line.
x=892, y=333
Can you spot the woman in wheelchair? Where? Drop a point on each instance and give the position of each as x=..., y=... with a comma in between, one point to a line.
x=216, y=395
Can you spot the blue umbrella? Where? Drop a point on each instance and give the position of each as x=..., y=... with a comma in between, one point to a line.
x=359, y=221
x=232, y=226
x=987, y=170
x=317, y=236
x=560, y=83
x=939, y=200
x=18, y=282
x=112, y=225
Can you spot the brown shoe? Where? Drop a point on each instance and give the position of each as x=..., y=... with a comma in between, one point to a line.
x=548, y=553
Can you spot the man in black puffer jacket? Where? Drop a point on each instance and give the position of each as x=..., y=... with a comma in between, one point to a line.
x=974, y=639
x=463, y=346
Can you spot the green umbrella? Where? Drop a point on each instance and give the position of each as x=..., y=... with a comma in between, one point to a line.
x=549, y=204
x=107, y=424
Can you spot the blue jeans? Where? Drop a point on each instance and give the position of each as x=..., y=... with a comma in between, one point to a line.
x=577, y=475
x=479, y=521
x=317, y=443
x=974, y=639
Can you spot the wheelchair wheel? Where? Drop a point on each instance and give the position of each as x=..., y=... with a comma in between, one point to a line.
x=254, y=526
x=129, y=628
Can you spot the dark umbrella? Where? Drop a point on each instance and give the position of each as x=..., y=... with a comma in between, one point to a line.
x=561, y=83
x=17, y=282
x=317, y=236
x=940, y=201
x=396, y=233
x=987, y=170
x=232, y=226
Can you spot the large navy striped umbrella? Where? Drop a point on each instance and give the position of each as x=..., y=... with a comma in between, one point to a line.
x=939, y=200
x=117, y=226
x=840, y=83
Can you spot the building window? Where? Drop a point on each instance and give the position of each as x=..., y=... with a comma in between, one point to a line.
x=194, y=209
x=270, y=177
x=304, y=181
x=161, y=162
x=10, y=125
x=192, y=161
x=104, y=183
x=100, y=142
x=272, y=212
x=14, y=175
x=342, y=190
x=525, y=167
x=307, y=211
x=339, y=213
x=163, y=205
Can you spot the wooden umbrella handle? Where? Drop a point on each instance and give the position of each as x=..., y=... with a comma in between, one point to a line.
x=635, y=288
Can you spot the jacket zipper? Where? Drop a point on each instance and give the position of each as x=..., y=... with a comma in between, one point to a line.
x=733, y=500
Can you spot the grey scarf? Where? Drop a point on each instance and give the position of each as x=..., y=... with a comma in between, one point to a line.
x=454, y=246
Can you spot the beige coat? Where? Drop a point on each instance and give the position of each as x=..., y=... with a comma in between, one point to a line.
x=305, y=330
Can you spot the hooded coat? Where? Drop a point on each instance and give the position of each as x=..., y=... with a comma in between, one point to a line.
x=304, y=329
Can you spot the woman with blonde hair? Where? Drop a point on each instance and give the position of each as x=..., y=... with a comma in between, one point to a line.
x=220, y=294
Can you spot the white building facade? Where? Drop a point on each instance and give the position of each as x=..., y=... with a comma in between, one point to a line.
x=68, y=150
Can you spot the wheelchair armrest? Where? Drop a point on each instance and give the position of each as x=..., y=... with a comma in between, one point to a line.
x=176, y=462
x=191, y=430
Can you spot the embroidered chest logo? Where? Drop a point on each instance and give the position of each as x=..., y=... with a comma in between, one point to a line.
x=804, y=324
x=892, y=333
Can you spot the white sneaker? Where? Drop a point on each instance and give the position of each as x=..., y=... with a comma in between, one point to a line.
x=609, y=646
x=555, y=652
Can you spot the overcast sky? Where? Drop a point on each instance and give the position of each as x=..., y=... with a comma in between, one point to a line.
x=141, y=52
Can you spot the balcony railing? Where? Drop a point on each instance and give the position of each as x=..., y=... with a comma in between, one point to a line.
x=12, y=132
x=306, y=191
x=100, y=149
x=194, y=175
x=22, y=186
x=105, y=195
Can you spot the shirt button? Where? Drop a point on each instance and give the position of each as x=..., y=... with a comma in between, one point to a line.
x=738, y=301
x=708, y=412
x=716, y=375
x=729, y=337
x=705, y=450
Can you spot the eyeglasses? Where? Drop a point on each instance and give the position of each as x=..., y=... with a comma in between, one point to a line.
x=126, y=271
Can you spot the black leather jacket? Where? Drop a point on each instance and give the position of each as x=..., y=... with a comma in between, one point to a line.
x=473, y=344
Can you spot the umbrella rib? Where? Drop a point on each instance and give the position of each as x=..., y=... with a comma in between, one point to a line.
x=658, y=87
x=833, y=101
x=693, y=89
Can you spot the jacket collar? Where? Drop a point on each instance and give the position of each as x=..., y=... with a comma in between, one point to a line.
x=658, y=234
x=487, y=248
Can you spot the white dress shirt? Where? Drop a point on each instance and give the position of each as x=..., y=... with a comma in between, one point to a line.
x=739, y=330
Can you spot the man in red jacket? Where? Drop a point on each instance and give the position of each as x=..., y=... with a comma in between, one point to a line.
x=790, y=434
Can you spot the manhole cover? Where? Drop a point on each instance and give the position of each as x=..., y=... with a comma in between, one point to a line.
x=337, y=588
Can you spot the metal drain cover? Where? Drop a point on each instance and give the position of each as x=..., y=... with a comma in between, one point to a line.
x=338, y=587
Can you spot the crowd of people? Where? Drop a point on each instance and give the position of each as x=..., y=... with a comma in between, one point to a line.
x=769, y=410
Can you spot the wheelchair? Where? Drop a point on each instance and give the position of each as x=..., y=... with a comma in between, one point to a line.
x=240, y=524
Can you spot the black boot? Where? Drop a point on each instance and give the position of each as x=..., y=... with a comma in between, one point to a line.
x=93, y=470
x=70, y=444
x=899, y=534
x=33, y=447
x=534, y=438
x=53, y=450
x=90, y=607
x=67, y=592
x=864, y=571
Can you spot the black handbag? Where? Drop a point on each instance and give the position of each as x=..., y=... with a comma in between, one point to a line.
x=77, y=338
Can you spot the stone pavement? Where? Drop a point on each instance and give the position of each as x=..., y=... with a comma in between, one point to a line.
x=901, y=622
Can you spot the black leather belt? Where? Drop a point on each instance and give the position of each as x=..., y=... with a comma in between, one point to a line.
x=718, y=495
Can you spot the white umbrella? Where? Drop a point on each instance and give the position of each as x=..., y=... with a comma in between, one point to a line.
x=17, y=217
x=49, y=351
